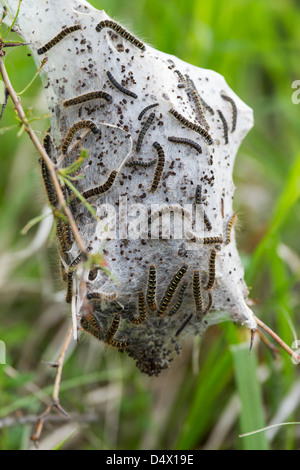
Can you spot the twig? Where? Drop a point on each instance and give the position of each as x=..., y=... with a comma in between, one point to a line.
x=277, y=339
x=55, y=395
x=50, y=165
x=10, y=421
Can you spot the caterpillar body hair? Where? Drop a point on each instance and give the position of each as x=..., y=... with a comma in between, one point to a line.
x=103, y=188
x=141, y=308
x=229, y=227
x=121, y=31
x=146, y=109
x=143, y=131
x=234, y=110
x=159, y=167
x=189, y=142
x=136, y=163
x=197, y=291
x=93, y=95
x=119, y=87
x=225, y=126
x=151, y=290
x=179, y=300
x=184, y=324
x=211, y=270
x=76, y=127
x=192, y=126
x=172, y=289
x=58, y=38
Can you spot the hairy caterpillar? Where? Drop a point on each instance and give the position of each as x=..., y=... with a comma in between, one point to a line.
x=120, y=87
x=58, y=38
x=120, y=30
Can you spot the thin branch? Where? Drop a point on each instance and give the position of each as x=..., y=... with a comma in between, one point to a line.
x=50, y=165
x=277, y=339
x=40, y=420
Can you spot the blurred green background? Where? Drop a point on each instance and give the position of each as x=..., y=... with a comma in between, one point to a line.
x=215, y=391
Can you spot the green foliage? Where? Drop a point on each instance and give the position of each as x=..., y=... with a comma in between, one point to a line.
x=255, y=45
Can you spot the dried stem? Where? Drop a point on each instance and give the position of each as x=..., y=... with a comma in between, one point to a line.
x=277, y=339
x=55, y=395
x=50, y=165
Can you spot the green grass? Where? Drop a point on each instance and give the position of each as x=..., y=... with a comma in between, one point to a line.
x=255, y=45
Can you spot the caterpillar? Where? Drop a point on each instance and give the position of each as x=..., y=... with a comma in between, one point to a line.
x=171, y=289
x=63, y=233
x=90, y=324
x=88, y=97
x=143, y=131
x=197, y=291
x=181, y=140
x=225, y=126
x=208, y=307
x=146, y=109
x=192, y=126
x=141, y=164
x=234, y=111
x=119, y=86
x=184, y=324
x=151, y=291
x=103, y=188
x=101, y=296
x=212, y=240
x=198, y=194
x=120, y=30
x=171, y=208
x=180, y=78
x=211, y=270
x=118, y=344
x=141, y=308
x=206, y=106
x=193, y=94
x=207, y=221
x=58, y=38
x=206, y=240
x=76, y=127
x=229, y=227
x=93, y=273
x=77, y=260
x=179, y=300
x=112, y=329
x=50, y=190
x=159, y=167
